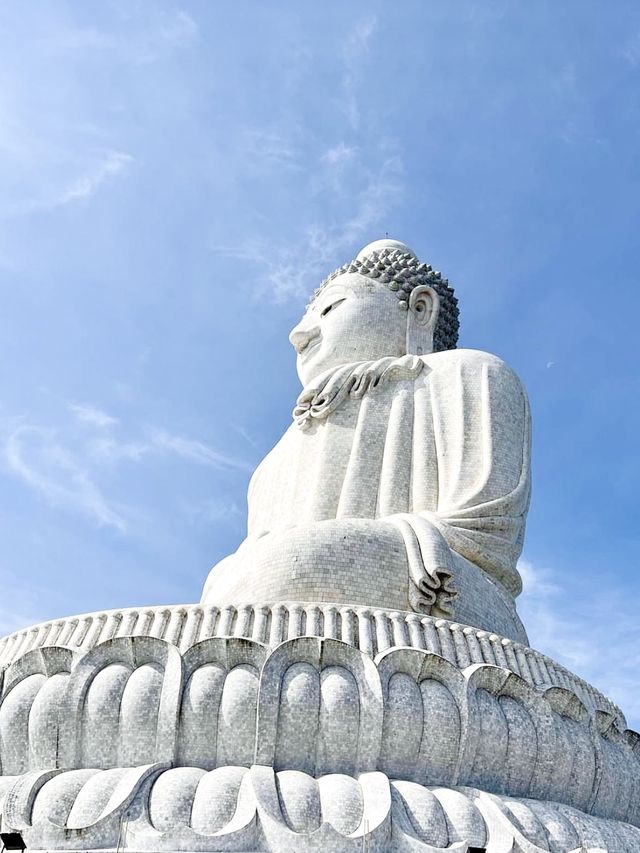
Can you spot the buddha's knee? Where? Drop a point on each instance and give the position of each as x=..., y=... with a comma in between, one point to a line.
x=352, y=561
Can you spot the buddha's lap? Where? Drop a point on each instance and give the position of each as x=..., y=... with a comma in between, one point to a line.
x=353, y=542
x=350, y=560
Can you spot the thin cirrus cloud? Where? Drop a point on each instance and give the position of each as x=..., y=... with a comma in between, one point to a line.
x=266, y=150
x=196, y=451
x=157, y=440
x=89, y=414
x=85, y=182
x=148, y=36
x=578, y=636
x=287, y=271
x=63, y=467
x=36, y=457
x=339, y=154
x=111, y=164
x=359, y=198
x=354, y=50
x=216, y=511
x=41, y=167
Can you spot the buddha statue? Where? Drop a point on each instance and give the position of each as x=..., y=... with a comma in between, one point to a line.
x=403, y=481
x=356, y=676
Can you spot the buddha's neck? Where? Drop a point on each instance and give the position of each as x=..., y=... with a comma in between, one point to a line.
x=324, y=394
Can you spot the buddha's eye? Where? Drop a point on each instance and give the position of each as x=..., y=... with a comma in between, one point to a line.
x=326, y=310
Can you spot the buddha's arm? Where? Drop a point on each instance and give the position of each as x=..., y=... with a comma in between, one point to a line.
x=479, y=406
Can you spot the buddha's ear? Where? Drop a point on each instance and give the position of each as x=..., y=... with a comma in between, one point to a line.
x=422, y=316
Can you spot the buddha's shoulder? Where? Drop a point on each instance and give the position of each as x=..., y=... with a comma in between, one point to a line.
x=470, y=361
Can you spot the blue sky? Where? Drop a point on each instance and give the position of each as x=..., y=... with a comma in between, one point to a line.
x=175, y=178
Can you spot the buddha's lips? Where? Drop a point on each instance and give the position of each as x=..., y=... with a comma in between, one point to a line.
x=310, y=347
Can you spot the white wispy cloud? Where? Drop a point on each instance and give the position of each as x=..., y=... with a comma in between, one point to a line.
x=537, y=583
x=109, y=450
x=295, y=270
x=89, y=414
x=87, y=179
x=339, y=154
x=148, y=35
x=160, y=34
x=196, y=451
x=178, y=28
x=269, y=149
x=111, y=163
x=55, y=148
x=354, y=50
x=381, y=192
x=248, y=437
x=358, y=178
x=35, y=456
x=65, y=466
x=578, y=624
x=631, y=50
x=161, y=443
x=216, y=511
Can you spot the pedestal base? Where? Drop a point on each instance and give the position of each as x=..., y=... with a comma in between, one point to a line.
x=395, y=731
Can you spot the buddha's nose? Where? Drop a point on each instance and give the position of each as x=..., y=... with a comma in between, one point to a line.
x=302, y=335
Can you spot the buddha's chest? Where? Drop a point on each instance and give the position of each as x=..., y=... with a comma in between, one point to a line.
x=354, y=463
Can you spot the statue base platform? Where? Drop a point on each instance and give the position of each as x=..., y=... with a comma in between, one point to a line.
x=307, y=727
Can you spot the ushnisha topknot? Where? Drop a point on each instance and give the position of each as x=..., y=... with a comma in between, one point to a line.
x=401, y=271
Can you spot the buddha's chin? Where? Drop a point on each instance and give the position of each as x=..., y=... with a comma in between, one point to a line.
x=319, y=362
x=311, y=367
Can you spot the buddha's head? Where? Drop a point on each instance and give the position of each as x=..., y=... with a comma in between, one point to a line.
x=384, y=303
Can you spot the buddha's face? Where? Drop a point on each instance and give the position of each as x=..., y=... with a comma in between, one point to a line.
x=353, y=319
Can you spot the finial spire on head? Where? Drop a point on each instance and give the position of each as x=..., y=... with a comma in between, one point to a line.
x=385, y=243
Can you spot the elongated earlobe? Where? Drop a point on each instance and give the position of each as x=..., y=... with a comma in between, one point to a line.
x=422, y=316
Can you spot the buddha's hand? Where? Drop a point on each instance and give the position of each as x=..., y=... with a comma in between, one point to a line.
x=430, y=563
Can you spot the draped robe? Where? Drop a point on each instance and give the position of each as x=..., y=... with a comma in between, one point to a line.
x=436, y=446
